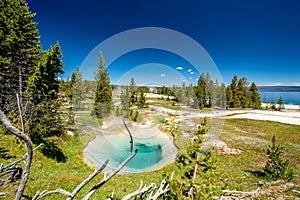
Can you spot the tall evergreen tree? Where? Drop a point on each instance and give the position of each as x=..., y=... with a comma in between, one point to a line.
x=254, y=98
x=78, y=90
x=142, y=100
x=235, y=96
x=71, y=85
x=103, y=94
x=189, y=93
x=125, y=102
x=43, y=90
x=229, y=97
x=44, y=83
x=242, y=92
x=221, y=95
x=19, y=51
x=201, y=91
x=132, y=92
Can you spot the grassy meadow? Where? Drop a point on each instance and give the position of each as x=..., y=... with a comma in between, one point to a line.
x=238, y=172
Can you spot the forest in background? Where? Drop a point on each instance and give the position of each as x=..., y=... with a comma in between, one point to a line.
x=32, y=98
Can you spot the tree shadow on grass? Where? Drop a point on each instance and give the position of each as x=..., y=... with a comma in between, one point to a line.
x=256, y=173
x=51, y=150
x=4, y=154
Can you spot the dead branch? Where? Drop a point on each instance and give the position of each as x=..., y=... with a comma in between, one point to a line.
x=16, y=172
x=144, y=191
x=39, y=195
x=240, y=192
x=296, y=191
x=141, y=191
x=260, y=190
x=11, y=168
x=164, y=187
x=13, y=164
x=28, y=143
x=106, y=178
x=3, y=193
x=130, y=135
x=86, y=181
x=20, y=110
x=190, y=193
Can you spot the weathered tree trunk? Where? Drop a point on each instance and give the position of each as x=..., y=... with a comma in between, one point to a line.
x=28, y=143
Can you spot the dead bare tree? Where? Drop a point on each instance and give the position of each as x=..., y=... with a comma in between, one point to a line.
x=13, y=170
x=28, y=143
x=149, y=192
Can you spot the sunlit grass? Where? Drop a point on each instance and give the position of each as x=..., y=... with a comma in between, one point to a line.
x=238, y=172
x=242, y=172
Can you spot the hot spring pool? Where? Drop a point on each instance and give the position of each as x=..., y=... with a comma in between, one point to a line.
x=153, y=152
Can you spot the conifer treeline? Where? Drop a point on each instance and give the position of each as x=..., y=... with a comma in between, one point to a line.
x=240, y=95
x=29, y=77
x=236, y=95
x=208, y=93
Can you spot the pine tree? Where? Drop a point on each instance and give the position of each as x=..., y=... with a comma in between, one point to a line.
x=132, y=92
x=273, y=105
x=78, y=90
x=189, y=95
x=44, y=83
x=198, y=172
x=125, y=99
x=103, y=94
x=254, y=98
x=235, y=95
x=19, y=51
x=242, y=92
x=229, y=98
x=43, y=90
x=201, y=92
x=221, y=96
x=71, y=85
x=280, y=103
x=277, y=167
x=142, y=100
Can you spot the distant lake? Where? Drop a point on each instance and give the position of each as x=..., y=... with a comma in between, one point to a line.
x=288, y=96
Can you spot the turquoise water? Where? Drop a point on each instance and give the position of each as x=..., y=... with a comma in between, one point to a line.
x=153, y=152
x=288, y=96
x=147, y=156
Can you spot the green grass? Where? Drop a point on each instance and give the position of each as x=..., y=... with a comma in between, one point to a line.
x=87, y=119
x=242, y=172
x=239, y=172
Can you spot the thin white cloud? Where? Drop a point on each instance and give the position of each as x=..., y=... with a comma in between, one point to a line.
x=162, y=75
x=179, y=68
x=189, y=70
x=190, y=78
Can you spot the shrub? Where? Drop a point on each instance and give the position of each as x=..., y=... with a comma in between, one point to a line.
x=277, y=167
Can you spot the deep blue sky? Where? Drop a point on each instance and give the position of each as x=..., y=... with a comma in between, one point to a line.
x=259, y=39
